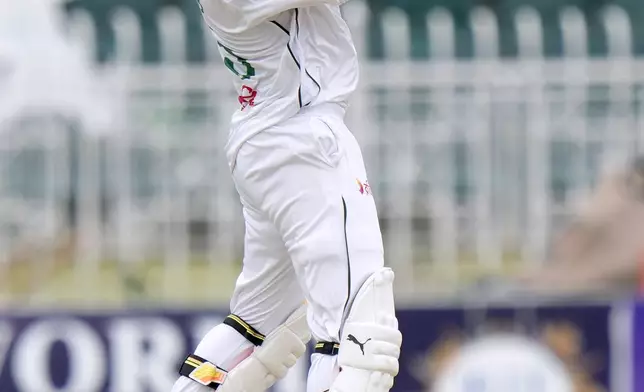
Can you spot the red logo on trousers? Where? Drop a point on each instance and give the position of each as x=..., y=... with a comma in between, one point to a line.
x=363, y=187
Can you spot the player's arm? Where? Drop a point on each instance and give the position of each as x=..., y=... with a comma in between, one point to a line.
x=257, y=11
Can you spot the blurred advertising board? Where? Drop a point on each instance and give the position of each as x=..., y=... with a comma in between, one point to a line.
x=540, y=349
x=445, y=350
x=115, y=352
x=638, y=347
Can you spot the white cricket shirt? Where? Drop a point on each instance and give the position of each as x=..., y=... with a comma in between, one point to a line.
x=282, y=55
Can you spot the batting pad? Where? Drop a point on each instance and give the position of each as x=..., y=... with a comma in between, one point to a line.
x=271, y=361
x=370, y=345
x=375, y=300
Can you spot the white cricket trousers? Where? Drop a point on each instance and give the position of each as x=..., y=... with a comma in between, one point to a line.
x=312, y=233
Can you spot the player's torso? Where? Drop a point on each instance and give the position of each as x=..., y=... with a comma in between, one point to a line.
x=260, y=63
x=300, y=57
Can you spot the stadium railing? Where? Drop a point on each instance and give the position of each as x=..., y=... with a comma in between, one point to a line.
x=475, y=165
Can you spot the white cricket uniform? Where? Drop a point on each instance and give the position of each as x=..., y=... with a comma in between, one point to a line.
x=312, y=229
x=285, y=58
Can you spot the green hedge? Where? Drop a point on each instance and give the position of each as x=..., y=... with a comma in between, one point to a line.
x=417, y=10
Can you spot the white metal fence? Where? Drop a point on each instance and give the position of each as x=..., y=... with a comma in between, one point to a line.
x=473, y=163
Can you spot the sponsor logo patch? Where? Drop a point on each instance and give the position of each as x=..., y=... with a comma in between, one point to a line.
x=363, y=187
x=207, y=373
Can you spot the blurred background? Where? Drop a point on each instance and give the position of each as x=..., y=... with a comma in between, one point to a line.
x=502, y=141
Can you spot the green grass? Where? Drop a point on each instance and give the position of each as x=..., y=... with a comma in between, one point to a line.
x=110, y=284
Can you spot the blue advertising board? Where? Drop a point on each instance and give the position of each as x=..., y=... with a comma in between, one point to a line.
x=638, y=348
x=115, y=352
x=577, y=337
x=140, y=351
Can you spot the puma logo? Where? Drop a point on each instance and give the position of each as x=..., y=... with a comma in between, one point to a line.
x=353, y=339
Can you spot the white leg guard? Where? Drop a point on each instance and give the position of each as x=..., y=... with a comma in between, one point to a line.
x=272, y=360
x=370, y=345
x=267, y=364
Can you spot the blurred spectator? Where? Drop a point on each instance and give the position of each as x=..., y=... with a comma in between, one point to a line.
x=603, y=249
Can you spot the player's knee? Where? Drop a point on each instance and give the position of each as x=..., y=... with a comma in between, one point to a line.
x=266, y=320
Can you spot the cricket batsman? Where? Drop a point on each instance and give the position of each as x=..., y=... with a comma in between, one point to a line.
x=312, y=232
